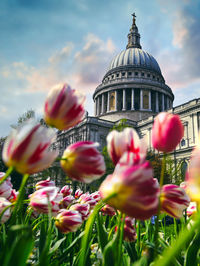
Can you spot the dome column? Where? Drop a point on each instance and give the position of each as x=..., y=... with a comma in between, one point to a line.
x=102, y=106
x=150, y=100
x=95, y=107
x=141, y=99
x=157, y=102
x=108, y=102
x=132, y=99
x=124, y=100
x=163, y=106
x=98, y=105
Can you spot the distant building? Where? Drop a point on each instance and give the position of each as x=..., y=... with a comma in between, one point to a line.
x=134, y=88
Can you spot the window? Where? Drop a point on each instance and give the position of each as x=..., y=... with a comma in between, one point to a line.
x=123, y=74
x=182, y=142
x=129, y=73
x=142, y=74
x=117, y=75
x=157, y=79
x=145, y=99
x=112, y=101
x=153, y=77
x=136, y=73
x=112, y=76
x=148, y=75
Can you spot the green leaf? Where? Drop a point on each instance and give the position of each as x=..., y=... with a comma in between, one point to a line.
x=102, y=234
x=191, y=255
x=19, y=250
x=56, y=246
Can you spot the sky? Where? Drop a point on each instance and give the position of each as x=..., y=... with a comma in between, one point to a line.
x=46, y=42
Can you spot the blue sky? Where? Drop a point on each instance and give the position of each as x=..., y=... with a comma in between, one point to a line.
x=45, y=42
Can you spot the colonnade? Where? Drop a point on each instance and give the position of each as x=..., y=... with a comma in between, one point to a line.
x=131, y=99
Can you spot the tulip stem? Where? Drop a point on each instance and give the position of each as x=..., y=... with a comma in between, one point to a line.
x=18, y=208
x=159, y=204
x=88, y=230
x=8, y=172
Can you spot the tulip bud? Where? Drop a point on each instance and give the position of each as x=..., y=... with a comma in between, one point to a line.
x=6, y=215
x=193, y=176
x=87, y=198
x=135, y=191
x=96, y=196
x=83, y=162
x=42, y=198
x=126, y=141
x=66, y=191
x=66, y=201
x=173, y=200
x=63, y=107
x=68, y=221
x=129, y=230
x=5, y=187
x=45, y=183
x=108, y=210
x=27, y=148
x=192, y=209
x=167, y=132
x=83, y=209
x=78, y=193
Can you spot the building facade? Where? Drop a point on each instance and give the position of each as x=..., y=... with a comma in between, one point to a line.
x=134, y=88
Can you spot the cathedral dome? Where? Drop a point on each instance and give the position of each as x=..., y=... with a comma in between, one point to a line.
x=133, y=86
x=135, y=57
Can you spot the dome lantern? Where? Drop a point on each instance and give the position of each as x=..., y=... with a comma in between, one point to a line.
x=133, y=36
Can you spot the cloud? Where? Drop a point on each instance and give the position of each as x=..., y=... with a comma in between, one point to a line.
x=181, y=64
x=62, y=54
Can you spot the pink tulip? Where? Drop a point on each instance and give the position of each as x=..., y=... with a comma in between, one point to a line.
x=83, y=162
x=63, y=107
x=78, y=193
x=5, y=187
x=129, y=230
x=83, y=209
x=136, y=190
x=42, y=198
x=45, y=183
x=126, y=141
x=193, y=176
x=96, y=196
x=4, y=203
x=68, y=221
x=27, y=148
x=173, y=200
x=87, y=198
x=191, y=209
x=66, y=201
x=108, y=210
x=167, y=132
x=66, y=191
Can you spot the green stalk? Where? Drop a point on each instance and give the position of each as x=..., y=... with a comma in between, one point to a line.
x=176, y=246
x=121, y=228
x=19, y=203
x=159, y=204
x=8, y=172
x=88, y=230
x=138, y=238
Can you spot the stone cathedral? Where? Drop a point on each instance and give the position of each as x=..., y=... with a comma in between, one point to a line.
x=133, y=88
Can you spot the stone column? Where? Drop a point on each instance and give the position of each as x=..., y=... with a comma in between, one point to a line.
x=163, y=104
x=132, y=99
x=115, y=100
x=141, y=99
x=102, y=104
x=108, y=102
x=157, y=109
x=124, y=100
x=149, y=100
x=95, y=107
